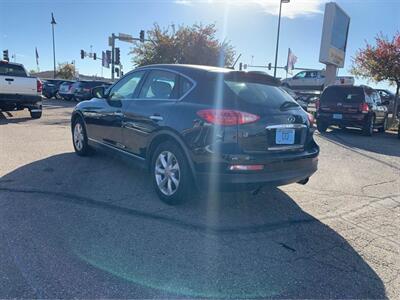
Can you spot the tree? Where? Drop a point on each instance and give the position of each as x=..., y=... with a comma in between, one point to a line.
x=380, y=62
x=66, y=71
x=196, y=44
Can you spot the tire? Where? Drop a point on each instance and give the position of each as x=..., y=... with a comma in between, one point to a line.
x=170, y=173
x=36, y=114
x=79, y=138
x=57, y=96
x=368, y=129
x=384, y=126
x=48, y=96
x=321, y=126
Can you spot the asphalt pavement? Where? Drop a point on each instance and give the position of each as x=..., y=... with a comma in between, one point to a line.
x=92, y=227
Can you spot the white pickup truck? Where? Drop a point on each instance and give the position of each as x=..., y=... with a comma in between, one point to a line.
x=313, y=80
x=18, y=90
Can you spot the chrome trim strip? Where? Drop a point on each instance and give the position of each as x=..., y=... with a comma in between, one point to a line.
x=35, y=110
x=289, y=147
x=278, y=126
x=115, y=148
x=156, y=118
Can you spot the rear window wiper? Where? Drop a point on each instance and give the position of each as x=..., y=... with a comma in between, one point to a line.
x=288, y=104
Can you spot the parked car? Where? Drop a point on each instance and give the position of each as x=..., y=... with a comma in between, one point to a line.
x=51, y=87
x=389, y=98
x=18, y=90
x=199, y=124
x=83, y=89
x=313, y=80
x=351, y=106
x=66, y=90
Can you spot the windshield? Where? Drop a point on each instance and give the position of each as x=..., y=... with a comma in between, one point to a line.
x=338, y=94
x=260, y=94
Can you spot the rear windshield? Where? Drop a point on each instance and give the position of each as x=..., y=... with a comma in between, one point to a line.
x=12, y=70
x=340, y=94
x=260, y=94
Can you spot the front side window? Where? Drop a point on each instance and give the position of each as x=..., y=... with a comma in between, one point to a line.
x=300, y=75
x=160, y=85
x=125, y=88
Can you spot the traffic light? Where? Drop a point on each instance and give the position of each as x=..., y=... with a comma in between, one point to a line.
x=94, y=56
x=117, y=56
x=142, y=36
x=117, y=71
x=82, y=54
x=5, y=55
x=269, y=66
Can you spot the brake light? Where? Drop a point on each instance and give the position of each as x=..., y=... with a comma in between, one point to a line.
x=311, y=119
x=364, y=108
x=227, y=117
x=39, y=86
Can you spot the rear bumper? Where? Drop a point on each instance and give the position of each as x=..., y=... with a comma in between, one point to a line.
x=276, y=172
x=15, y=101
x=357, y=119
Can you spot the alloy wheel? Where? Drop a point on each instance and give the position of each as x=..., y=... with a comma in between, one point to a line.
x=78, y=136
x=167, y=173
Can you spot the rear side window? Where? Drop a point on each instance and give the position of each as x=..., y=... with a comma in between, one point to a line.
x=259, y=94
x=185, y=86
x=339, y=94
x=12, y=70
x=160, y=85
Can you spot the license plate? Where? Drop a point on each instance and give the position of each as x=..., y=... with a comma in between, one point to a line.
x=338, y=116
x=284, y=137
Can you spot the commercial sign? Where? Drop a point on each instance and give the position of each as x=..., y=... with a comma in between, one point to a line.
x=334, y=35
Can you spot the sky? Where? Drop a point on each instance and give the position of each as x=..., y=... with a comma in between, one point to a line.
x=250, y=26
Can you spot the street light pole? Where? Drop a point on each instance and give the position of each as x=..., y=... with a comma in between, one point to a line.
x=53, y=22
x=277, y=38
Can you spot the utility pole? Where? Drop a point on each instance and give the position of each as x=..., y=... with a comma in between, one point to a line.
x=112, y=56
x=53, y=22
x=277, y=38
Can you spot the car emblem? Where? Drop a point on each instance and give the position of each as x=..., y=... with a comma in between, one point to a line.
x=291, y=119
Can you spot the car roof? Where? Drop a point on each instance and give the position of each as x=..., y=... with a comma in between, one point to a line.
x=198, y=71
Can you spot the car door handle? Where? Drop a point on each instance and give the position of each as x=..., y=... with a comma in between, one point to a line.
x=9, y=79
x=156, y=118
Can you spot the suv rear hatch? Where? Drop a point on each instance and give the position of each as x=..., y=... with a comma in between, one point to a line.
x=342, y=99
x=280, y=124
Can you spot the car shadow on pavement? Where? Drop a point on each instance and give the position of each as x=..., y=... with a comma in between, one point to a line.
x=385, y=143
x=102, y=232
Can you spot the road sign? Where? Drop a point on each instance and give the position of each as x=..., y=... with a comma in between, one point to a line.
x=110, y=41
x=125, y=37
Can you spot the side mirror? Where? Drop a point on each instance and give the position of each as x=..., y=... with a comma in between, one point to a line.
x=98, y=92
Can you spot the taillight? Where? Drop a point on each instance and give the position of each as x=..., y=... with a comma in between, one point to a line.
x=364, y=108
x=227, y=117
x=311, y=119
x=39, y=86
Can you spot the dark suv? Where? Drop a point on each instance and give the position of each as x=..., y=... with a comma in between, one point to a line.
x=198, y=124
x=83, y=89
x=351, y=106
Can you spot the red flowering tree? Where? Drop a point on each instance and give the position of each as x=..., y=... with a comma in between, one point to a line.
x=380, y=62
